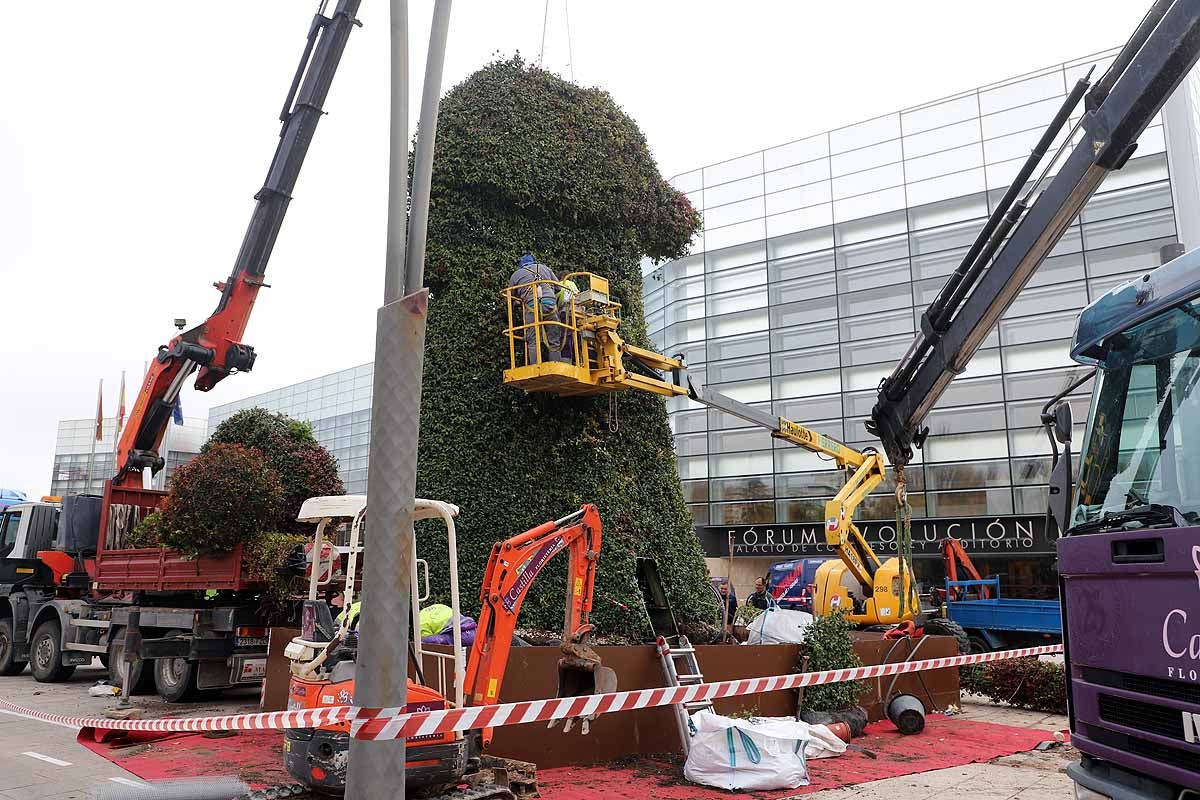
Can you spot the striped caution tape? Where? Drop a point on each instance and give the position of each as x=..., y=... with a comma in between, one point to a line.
x=394, y=723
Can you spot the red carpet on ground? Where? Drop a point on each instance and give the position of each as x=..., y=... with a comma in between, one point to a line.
x=257, y=758
x=945, y=742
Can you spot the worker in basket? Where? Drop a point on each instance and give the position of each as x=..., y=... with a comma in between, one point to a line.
x=544, y=296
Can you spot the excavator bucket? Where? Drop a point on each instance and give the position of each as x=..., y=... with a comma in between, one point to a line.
x=580, y=672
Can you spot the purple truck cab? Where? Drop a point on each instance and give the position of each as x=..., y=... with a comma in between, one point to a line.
x=1129, y=562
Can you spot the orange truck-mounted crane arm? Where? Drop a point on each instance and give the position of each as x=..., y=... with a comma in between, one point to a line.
x=513, y=567
x=214, y=347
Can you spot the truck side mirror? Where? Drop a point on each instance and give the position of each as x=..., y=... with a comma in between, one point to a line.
x=1063, y=423
x=1060, y=475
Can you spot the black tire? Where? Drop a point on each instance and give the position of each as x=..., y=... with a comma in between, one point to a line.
x=940, y=626
x=45, y=654
x=142, y=678
x=175, y=678
x=9, y=663
x=976, y=644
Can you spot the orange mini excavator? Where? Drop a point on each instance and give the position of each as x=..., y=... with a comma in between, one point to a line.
x=440, y=765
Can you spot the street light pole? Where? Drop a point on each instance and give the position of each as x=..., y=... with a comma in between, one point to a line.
x=376, y=768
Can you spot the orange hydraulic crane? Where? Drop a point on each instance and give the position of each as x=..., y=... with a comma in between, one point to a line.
x=954, y=554
x=214, y=347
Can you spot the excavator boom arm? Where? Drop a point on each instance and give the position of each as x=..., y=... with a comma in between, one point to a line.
x=513, y=567
x=214, y=347
x=1117, y=109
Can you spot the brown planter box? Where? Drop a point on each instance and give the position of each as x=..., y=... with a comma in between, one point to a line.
x=532, y=674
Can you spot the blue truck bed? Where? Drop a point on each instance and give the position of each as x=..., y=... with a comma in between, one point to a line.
x=999, y=614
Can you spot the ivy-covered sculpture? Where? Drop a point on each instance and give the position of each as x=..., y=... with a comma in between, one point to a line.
x=527, y=162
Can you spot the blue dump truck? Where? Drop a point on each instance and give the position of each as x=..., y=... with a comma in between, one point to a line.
x=993, y=622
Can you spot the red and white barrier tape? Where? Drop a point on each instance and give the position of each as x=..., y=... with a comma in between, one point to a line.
x=394, y=723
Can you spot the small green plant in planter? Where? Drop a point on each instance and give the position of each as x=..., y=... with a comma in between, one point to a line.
x=828, y=645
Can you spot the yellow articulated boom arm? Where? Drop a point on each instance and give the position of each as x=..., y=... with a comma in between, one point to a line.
x=592, y=358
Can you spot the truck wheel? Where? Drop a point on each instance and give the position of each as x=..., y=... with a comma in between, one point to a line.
x=45, y=654
x=940, y=626
x=976, y=644
x=142, y=680
x=9, y=663
x=175, y=678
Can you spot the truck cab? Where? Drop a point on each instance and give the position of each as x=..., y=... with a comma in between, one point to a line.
x=26, y=528
x=1129, y=554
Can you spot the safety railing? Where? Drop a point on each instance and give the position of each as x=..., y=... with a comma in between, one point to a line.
x=537, y=336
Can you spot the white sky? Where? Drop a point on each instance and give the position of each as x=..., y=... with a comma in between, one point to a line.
x=133, y=137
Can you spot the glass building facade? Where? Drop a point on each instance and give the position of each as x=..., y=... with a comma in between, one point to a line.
x=816, y=261
x=73, y=451
x=339, y=407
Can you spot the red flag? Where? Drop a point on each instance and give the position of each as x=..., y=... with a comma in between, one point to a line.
x=121, y=404
x=100, y=412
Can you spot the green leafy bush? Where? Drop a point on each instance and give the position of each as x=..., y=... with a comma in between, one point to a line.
x=226, y=495
x=529, y=162
x=1023, y=683
x=305, y=468
x=828, y=645
x=265, y=557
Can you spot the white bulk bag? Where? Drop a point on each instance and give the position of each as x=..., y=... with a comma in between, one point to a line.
x=779, y=626
x=758, y=753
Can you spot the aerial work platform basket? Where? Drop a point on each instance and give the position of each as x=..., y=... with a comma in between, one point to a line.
x=574, y=350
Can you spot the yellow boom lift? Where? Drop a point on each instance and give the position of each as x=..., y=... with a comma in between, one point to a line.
x=594, y=359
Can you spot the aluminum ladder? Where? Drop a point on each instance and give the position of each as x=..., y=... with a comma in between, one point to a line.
x=681, y=668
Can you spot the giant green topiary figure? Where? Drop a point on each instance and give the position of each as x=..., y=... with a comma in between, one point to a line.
x=529, y=162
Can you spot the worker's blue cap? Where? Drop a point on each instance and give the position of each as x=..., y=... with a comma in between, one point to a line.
x=525, y=260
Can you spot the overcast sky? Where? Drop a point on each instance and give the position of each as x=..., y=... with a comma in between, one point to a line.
x=133, y=137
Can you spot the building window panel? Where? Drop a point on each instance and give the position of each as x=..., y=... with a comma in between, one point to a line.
x=754, y=391
x=720, y=421
x=785, y=316
x=811, y=335
x=967, y=475
x=797, y=459
x=883, y=323
x=800, y=511
x=1022, y=118
x=806, y=220
x=1001, y=175
x=940, y=114
x=683, y=268
x=883, y=506
x=874, y=275
x=871, y=301
x=738, y=346
x=1041, y=384
x=943, y=163
x=967, y=446
x=1041, y=355
x=825, y=483
x=1018, y=145
x=807, y=384
x=1138, y=171
x=799, y=197
x=754, y=487
x=699, y=513
x=864, y=158
x=1028, y=413
x=1022, y=92
x=971, y=391
x=797, y=175
x=736, y=324
x=733, y=169
x=808, y=408
x=733, y=464
x=812, y=148
x=683, y=310
x=694, y=467
x=1031, y=500
x=1124, y=202
x=1152, y=140
x=728, y=258
x=968, y=419
x=871, y=229
x=809, y=359
x=739, y=369
x=684, y=332
x=738, y=278
x=984, y=362
x=730, y=235
x=740, y=300
x=690, y=421
x=1101, y=286
x=1058, y=269
x=874, y=351
x=731, y=192
x=865, y=133
x=1148, y=225
x=865, y=377
x=716, y=217
x=803, y=289
x=878, y=251
x=954, y=185
x=1034, y=329
x=868, y=181
x=688, y=181
x=695, y=491
x=746, y=513
x=947, y=137
x=870, y=204
x=740, y=440
x=970, y=503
